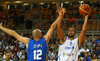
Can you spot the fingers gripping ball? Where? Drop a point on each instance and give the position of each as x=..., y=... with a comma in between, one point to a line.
x=84, y=9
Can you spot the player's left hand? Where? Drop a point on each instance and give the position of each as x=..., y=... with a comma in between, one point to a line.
x=88, y=14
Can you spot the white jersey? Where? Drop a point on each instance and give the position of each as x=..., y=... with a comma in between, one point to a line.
x=68, y=51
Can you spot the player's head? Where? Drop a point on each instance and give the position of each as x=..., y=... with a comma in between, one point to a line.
x=71, y=32
x=36, y=33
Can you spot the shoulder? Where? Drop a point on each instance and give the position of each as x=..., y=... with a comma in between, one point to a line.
x=76, y=38
x=44, y=37
x=31, y=39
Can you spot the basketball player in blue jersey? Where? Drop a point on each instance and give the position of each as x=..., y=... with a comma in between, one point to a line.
x=37, y=48
x=68, y=50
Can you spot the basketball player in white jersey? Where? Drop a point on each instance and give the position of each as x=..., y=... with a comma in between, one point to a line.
x=68, y=50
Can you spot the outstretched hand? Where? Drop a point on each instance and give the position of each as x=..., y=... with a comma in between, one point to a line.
x=88, y=14
x=61, y=10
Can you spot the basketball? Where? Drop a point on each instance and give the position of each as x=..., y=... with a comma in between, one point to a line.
x=84, y=9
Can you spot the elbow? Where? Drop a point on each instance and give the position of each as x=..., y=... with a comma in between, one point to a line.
x=84, y=29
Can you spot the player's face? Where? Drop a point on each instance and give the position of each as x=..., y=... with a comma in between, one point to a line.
x=40, y=34
x=71, y=32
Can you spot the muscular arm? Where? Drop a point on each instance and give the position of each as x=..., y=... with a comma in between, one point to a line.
x=82, y=34
x=52, y=28
x=60, y=33
x=14, y=34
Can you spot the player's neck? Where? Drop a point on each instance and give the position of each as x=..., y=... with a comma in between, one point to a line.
x=70, y=38
x=37, y=39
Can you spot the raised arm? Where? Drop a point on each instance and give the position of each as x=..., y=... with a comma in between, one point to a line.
x=60, y=33
x=82, y=34
x=14, y=34
x=52, y=28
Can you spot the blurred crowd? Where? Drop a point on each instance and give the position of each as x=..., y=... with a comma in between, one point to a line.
x=13, y=50
x=16, y=17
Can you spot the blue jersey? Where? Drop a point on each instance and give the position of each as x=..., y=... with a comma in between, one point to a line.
x=37, y=50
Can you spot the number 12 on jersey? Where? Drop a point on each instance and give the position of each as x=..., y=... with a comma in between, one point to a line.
x=37, y=54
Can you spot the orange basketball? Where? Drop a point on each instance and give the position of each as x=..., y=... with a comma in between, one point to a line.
x=84, y=9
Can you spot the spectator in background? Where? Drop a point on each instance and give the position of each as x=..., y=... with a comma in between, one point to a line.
x=4, y=42
x=7, y=57
x=52, y=59
x=11, y=46
x=94, y=58
x=8, y=50
x=1, y=57
x=4, y=55
x=21, y=45
x=99, y=56
x=98, y=40
x=12, y=41
x=49, y=54
x=83, y=51
x=14, y=50
x=97, y=15
x=84, y=44
x=52, y=46
x=86, y=58
x=19, y=53
x=15, y=58
x=90, y=49
x=23, y=56
x=1, y=46
x=7, y=46
x=11, y=53
x=53, y=53
x=6, y=39
x=56, y=57
x=79, y=59
x=99, y=45
x=94, y=42
x=17, y=47
x=88, y=42
x=97, y=52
